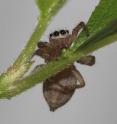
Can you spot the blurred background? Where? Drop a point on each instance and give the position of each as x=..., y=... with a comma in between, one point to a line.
x=94, y=104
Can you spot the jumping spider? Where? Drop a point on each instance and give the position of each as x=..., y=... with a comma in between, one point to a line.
x=59, y=88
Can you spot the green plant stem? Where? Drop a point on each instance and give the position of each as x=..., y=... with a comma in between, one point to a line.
x=40, y=75
x=53, y=67
x=97, y=45
x=32, y=43
x=23, y=63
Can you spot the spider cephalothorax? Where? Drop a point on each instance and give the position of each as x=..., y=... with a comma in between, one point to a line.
x=58, y=40
x=59, y=88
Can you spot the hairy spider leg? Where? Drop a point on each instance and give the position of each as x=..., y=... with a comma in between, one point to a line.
x=80, y=26
x=70, y=88
x=87, y=60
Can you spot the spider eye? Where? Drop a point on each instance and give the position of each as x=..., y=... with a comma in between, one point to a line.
x=51, y=35
x=67, y=31
x=56, y=33
x=62, y=32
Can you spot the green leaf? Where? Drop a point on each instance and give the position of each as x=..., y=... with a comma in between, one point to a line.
x=105, y=37
x=103, y=15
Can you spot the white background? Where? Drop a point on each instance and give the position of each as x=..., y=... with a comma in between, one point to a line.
x=94, y=104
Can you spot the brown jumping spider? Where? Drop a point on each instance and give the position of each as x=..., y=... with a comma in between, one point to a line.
x=59, y=88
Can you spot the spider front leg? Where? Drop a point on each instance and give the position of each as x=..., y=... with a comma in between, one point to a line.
x=80, y=26
x=87, y=60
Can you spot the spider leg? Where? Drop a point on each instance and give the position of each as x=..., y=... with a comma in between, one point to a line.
x=70, y=88
x=79, y=78
x=78, y=28
x=87, y=60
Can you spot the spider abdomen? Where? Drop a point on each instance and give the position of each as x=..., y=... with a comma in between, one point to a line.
x=59, y=89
